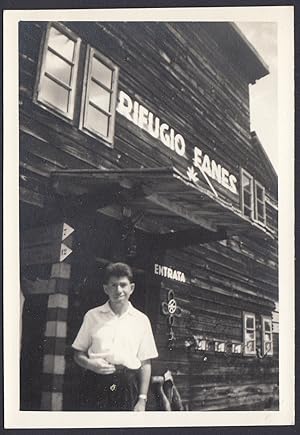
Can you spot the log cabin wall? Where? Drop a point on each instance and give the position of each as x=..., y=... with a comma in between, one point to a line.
x=197, y=91
x=185, y=74
x=223, y=280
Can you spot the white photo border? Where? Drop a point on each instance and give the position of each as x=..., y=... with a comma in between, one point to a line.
x=13, y=417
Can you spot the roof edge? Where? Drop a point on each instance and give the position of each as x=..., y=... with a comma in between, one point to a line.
x=250, y=45
x=263, y=67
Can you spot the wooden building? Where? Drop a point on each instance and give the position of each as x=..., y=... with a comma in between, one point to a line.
x=135, y=145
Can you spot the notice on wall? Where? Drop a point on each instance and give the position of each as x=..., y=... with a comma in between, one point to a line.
x=146, y=120
x=139, y=115
x=168, y=272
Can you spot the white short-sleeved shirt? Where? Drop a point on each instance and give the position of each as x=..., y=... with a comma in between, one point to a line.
x=125, y=339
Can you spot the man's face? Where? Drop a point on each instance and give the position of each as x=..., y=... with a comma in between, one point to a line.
x=118, y=289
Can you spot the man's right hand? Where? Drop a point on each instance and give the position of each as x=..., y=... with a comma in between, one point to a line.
x=97, y=365
x=101, y=366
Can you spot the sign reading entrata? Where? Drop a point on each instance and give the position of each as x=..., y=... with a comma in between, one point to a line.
x=168, y=272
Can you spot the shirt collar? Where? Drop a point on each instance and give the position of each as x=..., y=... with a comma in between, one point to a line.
x=106, y=309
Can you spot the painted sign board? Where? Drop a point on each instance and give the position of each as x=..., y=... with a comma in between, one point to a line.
x=45, y=254
x=168, y=272
x=39, y=286
x=208, y=167
x=143, y=118
x=214, y=171
x=46, y=234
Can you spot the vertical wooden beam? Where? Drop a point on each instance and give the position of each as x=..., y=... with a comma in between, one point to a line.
x=55, y=340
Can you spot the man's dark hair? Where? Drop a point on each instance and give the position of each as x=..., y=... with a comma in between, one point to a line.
x=117, y=270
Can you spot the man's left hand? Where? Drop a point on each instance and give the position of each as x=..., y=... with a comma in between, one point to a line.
x=140, y=405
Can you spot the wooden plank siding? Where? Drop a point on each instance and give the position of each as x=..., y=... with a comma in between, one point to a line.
x=213, y=301
x=196, y=96
x=183, y=75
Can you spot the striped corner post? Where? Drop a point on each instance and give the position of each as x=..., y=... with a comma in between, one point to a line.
x=55, y=339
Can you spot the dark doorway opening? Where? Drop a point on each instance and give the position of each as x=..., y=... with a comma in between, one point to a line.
x=99, y=243
x=32, y=351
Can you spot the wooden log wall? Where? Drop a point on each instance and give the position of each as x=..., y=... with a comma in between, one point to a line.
x=177, y=71
x=226, y=279
x=180, y=73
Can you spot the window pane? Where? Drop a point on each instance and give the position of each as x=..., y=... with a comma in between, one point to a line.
x=54, y=94
x=61, y=43
x=267, y=337
x=268, y=347
x=267, y=326
x=246, y=182
x=247, y=212
x=58, y=68
x=260, y=211
x=97, y=120
x=247, y=199
x=249, y=336
x=250, y=323
x=99, y=96
x=250, y=346
x=259, y=193
x=101, y=72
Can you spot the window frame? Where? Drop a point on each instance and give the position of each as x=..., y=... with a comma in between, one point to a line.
x=247, y=315
x=91, y=52
x=258, y=184
x=263, y=320
x=69, y=115
x=244, y=172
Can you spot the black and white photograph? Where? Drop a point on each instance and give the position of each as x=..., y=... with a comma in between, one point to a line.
x=148, y=174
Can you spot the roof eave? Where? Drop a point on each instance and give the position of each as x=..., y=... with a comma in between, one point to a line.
x=261, y=68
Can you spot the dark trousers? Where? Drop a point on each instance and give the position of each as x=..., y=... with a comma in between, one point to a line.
x=115, y=392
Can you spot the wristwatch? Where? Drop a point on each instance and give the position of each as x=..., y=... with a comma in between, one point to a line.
x=143, y=396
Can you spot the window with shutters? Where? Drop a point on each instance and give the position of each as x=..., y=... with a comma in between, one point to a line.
x=87, y=100
x=249, y=334
x=99, y=102
x=267, y=337
x=56, y=86
x=260, y=205
x=253, y=201
x=247, y=194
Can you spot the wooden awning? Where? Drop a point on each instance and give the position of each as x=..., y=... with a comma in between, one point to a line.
x=164, y=196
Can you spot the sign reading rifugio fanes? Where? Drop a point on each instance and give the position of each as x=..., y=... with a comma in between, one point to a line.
x=146, y=120
x=143, y=118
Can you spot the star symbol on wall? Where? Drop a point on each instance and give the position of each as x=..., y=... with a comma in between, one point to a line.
x=192, y=174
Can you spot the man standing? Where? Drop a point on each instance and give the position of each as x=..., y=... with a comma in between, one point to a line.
x=115, y=345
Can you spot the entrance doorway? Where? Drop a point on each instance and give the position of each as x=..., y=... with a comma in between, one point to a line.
x=92, y=295
x=86, y=290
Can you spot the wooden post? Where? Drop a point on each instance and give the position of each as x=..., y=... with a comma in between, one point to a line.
x=51, y=245
x=55, y=339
